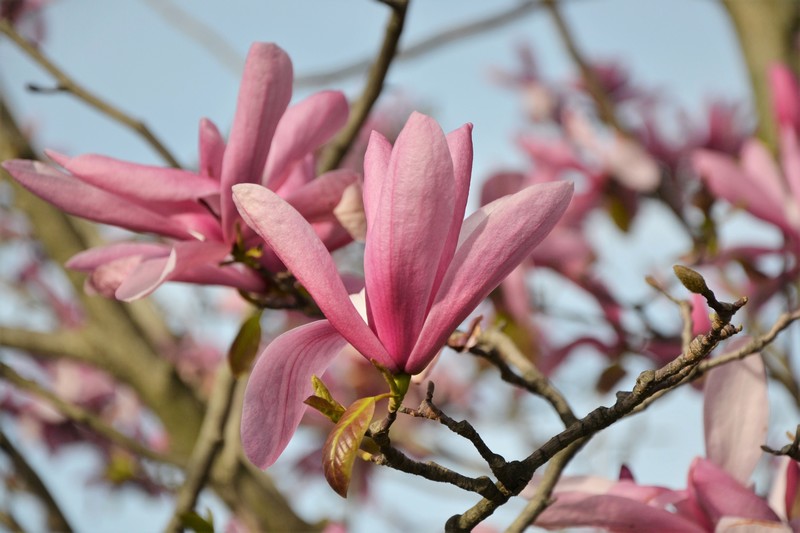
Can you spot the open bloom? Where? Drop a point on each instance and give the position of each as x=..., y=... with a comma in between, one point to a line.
x=269, y=144
x=425, y=269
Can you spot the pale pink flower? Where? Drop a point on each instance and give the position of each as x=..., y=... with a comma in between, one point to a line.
x=269, y=144
x=425, y=269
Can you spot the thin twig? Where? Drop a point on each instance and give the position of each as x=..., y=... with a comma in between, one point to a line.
x=429, y=44
x=8, y=521
x=429, y=410
x=201, y=33
x=209, y=443
x=500, y=350
x=84, y=417
x=648, y=383
x=67, y=84
x=542, y=498
x=605, y=107
x=338, y=148
x=56, y=521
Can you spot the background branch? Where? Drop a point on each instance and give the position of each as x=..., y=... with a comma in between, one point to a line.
x=337, y=149
x=56, y=521
x=65, y=83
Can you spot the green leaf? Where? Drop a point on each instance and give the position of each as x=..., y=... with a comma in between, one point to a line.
x=331, y=409
x=245, y=346
x=322, y=391
x=197, y=523
x=341, y=446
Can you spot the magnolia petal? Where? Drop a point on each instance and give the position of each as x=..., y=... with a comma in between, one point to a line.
x=501, y=184
x=81, y=199
x=350, y=212
x=184, y=256
x=493, y=242
x=95, y=257
x=106, y=278
x=727, y=180
x=278, y=385
x=613, y=513
x=295, y=242
x=719, y=494
x=459, y=142
x=376, y=163
x=303, y=128
x=319, y=197
x=408, y=234
x=785, y=96
x=790, y=160
x=735, y=416
x=138, y=183
x=211, y=149
x=263, y=96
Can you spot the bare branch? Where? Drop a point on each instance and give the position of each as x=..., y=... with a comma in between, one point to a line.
x=605, y=107
x=500, y=350
x=56, y=521
x=84, y=417
x=429, y=44
x=65, y=83
x=209, y=443
x=335, y=152
x=544, y=491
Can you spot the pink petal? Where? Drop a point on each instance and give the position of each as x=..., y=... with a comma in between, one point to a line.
x=376, y=163
x=735, y=416
x=95, y=257
x=211, y=149
x=728, y=181
x=460, y=144
x=138, y=183
x=790, y=159
x=409, y=234
x=613, y=513
x=501, y=184
x=719, y=494
x=293, y=240
x=281, y=380
x=785, y=96
x=318, y=199
x=263, y=96
x=77, y=198
x=106, y=278
x=493, y=242
x=184, y=256
x=303, y=128
x=350, y=212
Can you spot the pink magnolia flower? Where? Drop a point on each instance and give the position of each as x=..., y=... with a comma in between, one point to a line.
x=717, y=497
x=269, y=144
x=425, y=269
x=756, y=183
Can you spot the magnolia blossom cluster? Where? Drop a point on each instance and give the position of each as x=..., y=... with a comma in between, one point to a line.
x=425, y=267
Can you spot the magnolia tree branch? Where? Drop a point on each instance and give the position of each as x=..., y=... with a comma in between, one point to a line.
x=605, y=107
x=515, y=368
x=337, y=149
x=429, y=44
x=209, y=443
x=8, y=521
x=647, y=384
x=430, y=411
x=56, y=521
x=544, y=490
x=201, y=33
x=67, y=84
x=84, y=417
